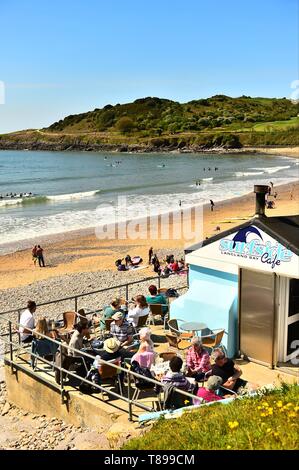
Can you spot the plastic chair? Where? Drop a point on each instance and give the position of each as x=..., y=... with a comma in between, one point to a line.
x=175, y=342
x=108, y=372
x=174, y=328
x=69, y=321
x=146, y=387
x=213, y=340
x=142, y=321
x=108, y=322
x=155, y=309
x=42, y=348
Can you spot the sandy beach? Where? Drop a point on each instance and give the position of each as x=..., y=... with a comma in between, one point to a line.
x=83, y=252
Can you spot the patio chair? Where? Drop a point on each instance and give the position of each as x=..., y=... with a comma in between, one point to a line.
x=141, y=386
x=174, y=328
x=175, y=342
x=155, y=310
x=110, y=373
x=108, y=322
x=42, y=347
x=167, y=355
x=214, y=340
x=69, y=321
x=142, y=321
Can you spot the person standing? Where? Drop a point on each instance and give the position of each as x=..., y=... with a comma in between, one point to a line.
x=40, y=256
x=212, y=205
x=150, y=255
x=34, y=254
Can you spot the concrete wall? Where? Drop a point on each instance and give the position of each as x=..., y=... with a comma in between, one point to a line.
x=211, y=299
x=39, y=398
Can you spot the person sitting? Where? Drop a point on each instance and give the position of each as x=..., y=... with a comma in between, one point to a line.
x=111, y=350
x=198, y=360
x=155, y=298
x=42, y=329
x=77, y=338
x=109, y=311
x=144, y=356
x=174, y=267
x=27, y=322
x=229, y=372
x=176, y=378
x=145, y=338
x=121, y=329
x=128, y=261
x=181, y=264
x=140, y=310
x=207, y=393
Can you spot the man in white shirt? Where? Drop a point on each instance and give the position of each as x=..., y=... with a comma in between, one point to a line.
x=27, y=322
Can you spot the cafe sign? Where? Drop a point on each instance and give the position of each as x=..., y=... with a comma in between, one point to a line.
x=252, y=244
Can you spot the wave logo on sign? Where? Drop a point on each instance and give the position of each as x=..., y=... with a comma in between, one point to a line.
x=249, y=243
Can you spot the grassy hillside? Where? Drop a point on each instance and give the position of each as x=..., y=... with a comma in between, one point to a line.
x=150, y=124
x=267, y=422
x=154, y=116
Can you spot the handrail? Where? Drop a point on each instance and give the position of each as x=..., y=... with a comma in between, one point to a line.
x=77, y=296
x=81, y=353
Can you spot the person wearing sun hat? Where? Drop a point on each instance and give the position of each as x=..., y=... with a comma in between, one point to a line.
x=111, y=349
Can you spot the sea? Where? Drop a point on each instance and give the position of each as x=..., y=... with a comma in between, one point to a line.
x=81, y=190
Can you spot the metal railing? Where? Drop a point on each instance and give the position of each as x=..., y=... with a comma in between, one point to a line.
x=13, y=359
x=75, y=298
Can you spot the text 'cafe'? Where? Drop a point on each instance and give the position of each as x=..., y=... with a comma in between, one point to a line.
x=246, y=281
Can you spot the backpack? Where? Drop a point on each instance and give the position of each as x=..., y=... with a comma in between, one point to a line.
x=172, y=293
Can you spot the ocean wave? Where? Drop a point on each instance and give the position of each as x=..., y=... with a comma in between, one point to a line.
x=44, y=199
x=207, y=179
x=66, y=197
x=271, y=169
x=238, y=174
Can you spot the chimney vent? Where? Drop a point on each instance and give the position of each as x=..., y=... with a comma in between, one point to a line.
x=260, y=202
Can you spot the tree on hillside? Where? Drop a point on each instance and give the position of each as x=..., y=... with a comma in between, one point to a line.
x=125, y=124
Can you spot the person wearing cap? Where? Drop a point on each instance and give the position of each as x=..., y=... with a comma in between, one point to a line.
x=198, y=360
x=207, y=393
x=121, y=329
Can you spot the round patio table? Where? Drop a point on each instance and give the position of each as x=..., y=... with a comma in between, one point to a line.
x=193, y=326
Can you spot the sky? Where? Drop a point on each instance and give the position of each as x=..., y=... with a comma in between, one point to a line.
x=61, y=57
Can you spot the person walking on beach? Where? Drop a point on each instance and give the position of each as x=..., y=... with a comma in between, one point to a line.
x=40, y=256
x=150, y=255
x=180, y=203
x=212, y=205
x=34, y=254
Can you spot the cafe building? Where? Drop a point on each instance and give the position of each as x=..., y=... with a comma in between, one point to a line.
x=246, y=281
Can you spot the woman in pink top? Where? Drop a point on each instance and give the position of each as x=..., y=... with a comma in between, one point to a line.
x=144, y=356
x=207, y=393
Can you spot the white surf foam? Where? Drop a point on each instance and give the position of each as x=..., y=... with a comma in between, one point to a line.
x=272, y=169
x=66, y=197
x=239, y=174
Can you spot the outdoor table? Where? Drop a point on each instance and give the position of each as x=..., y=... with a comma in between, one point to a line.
x=193, y=326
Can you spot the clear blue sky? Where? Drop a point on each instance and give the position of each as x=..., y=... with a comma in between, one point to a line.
x=60, y=57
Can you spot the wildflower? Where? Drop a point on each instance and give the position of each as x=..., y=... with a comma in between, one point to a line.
x=186, y=402
x=296, y=408
x=279, y=404
x=263, y=414
x=291, y=414
x=233, y=424
x=269, y=430
x=229, y=447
